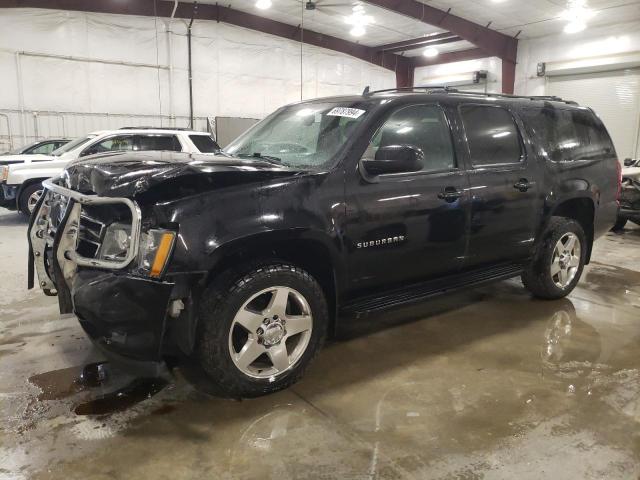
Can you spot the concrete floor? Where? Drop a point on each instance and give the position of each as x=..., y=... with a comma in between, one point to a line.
x=488, y=383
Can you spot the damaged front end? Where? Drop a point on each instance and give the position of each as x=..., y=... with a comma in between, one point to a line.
x=91, y=251
x=630, y=195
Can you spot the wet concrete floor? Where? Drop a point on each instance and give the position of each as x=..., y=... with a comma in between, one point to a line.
x=488, y=383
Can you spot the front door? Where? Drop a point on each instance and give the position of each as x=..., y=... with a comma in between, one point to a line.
x=503, y=178
x=405, y=227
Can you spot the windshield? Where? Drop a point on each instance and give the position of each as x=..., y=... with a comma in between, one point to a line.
x=302, y=136
x=71, y=145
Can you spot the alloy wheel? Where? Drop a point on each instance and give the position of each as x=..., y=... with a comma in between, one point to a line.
x=33, y=200
x=565, y=260
x=270, y=332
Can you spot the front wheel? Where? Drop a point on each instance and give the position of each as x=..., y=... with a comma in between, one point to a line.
x=259, y=328
x=29, y=198
x=559, y=260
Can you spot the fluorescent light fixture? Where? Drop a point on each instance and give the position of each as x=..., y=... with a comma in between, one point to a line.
x=263, y=4
x=431, y=52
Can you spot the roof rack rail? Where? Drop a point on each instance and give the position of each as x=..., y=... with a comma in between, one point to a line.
x=550, y=98
x=367, y=92
x=447, y=89
x=148, y=127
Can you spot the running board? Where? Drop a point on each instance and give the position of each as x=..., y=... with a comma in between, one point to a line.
x=421, y=291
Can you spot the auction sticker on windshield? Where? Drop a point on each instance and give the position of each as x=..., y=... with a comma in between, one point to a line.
x=346, y=112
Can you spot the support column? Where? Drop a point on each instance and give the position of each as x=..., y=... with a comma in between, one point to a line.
x=404, y=73
x=508, y=76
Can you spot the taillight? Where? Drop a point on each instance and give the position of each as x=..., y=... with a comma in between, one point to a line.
x=619, y=192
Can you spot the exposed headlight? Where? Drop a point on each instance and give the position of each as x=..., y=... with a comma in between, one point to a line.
x=155, y=249
x=116, y=242
x=4, y=173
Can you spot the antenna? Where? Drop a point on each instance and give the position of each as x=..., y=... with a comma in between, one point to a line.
x=365, y=92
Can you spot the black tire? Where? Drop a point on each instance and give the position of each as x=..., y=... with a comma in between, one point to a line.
x=25, y=194
x=220, y=303
x=619, y=225
x=537, y=275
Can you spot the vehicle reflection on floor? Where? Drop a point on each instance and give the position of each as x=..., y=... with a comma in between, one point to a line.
x=487, y=382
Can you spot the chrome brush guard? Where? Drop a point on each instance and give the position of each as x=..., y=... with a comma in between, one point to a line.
x=56, y=225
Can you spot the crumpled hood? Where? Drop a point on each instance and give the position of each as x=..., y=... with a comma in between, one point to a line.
x=126, y=174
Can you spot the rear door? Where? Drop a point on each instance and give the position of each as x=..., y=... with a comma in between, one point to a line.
x=503, y=178
x=407, y=227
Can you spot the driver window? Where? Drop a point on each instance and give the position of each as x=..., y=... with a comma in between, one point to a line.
x=421, y=126
x=111, y=144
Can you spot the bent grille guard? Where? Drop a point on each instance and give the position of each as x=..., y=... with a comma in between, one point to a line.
x=65, y=239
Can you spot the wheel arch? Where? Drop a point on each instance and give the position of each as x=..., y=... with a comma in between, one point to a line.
x=582, y=210
x=24, y=185
x=312, y=253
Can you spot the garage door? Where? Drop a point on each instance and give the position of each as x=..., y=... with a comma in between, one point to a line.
x=615, y=97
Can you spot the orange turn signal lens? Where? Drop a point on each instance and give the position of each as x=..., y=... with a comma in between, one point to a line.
x=162, y=254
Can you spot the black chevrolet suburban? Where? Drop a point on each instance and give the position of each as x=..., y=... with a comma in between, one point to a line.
x=243, y=263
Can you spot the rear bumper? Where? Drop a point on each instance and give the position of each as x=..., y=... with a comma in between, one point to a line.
x=122, y=314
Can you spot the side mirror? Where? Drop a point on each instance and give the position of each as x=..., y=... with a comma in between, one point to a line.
x=628, y=162
x=395, y=159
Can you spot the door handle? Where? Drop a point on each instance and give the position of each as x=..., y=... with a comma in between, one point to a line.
x=449, y=194
x=523, y=185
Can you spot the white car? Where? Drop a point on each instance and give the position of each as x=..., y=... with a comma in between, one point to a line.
x=21, y=183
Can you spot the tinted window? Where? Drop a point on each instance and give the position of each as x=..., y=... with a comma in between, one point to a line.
x=567, y=135
x=44, y=149
x=204, y=143
x=421, y=126
x=112, y=144
x=159, y=142
x=492, y=135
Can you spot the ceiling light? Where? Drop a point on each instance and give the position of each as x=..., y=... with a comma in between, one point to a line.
x=431, y=52
x=576, y=14
x=263, y=4
x=358, y=21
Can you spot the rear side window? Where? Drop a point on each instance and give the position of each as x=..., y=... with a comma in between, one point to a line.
x=204, y=143
x=422, y=126
x=159, y=142
x=492, y=135
x=565, y=135
x=117, y=143
x=44, y=149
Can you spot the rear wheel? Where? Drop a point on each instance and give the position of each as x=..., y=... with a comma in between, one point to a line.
x=558, y=263
x=259, y=328
x=29, y=198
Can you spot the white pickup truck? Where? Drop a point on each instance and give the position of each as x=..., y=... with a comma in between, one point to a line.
x=21, y=183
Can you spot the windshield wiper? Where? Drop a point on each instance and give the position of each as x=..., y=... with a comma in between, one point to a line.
x=268, y=158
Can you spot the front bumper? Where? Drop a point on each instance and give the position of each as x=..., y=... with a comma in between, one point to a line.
x=122, y=313
x=8, y=195
x=629, y=214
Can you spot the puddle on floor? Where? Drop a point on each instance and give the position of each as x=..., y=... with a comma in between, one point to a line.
x=135, y=392
x=67, y=382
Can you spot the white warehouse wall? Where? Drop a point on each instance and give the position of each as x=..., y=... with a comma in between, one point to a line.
x=452, y=73
x=237, y=72
x=592, y=46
